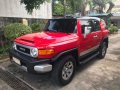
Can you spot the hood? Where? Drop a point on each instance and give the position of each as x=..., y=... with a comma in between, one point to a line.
x=44, y=38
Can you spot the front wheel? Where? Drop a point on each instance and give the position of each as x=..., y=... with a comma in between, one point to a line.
x=102, y=50
x=64, y=70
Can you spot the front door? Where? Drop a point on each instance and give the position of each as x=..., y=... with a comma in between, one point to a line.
x=87, y=42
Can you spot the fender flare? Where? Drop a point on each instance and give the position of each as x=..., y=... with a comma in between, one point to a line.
x=56, y=57
x=105, y=38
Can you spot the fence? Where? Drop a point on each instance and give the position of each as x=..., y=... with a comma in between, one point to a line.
x=4, y=43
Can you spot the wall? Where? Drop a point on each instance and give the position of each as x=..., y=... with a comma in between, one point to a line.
x=13, y=8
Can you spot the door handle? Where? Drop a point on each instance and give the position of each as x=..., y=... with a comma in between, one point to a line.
x=95, y=36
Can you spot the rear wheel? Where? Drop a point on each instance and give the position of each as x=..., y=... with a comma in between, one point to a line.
x=102, y=50
x=64, y=70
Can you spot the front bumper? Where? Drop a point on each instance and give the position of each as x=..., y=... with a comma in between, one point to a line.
x=30, y=64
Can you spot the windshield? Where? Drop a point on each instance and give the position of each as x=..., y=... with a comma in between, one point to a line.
x=61, y=25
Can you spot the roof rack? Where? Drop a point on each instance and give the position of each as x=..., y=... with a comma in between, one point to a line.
x=76, y=15
x=69, y=16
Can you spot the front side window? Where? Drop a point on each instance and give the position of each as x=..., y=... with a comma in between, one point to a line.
x=61, y=25
x=86, y=23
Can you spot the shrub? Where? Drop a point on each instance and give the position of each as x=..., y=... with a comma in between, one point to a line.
x=37, y=27
x=5, y=49
x=15, y=30
x=113, y=29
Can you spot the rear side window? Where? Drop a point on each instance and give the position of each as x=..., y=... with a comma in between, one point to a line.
x=61, y=25
x=96, y=25
x=103, y=23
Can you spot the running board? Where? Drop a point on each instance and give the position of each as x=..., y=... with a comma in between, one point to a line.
x=89, y=58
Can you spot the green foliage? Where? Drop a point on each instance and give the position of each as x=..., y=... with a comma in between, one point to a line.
x=15, y=30
x=71, y=5
x=69, y=10
x=113, y=29
x=58, y=9
x=37, y=27
x=4, y=49
x=77, y=4
x=32, y=4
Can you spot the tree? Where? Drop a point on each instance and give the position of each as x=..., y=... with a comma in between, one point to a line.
x=102, y=5
x=111, y=5
x=80, y=6
x=72, y=6
x=32, y=4
x=75, y=5
x=68, y=6
x=58, y=9
x=83, y=7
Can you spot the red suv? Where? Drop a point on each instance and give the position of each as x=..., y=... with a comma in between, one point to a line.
x=63, y=44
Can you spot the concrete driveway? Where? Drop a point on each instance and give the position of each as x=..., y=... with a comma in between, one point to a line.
x=95, y=75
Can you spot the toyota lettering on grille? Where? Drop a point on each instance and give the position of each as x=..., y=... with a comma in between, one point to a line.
x=22, y=49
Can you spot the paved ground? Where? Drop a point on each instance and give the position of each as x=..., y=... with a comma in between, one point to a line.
x=4, y=86
x=94, y=75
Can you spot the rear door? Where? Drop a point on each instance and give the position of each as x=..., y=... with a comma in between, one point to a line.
x=97, y=33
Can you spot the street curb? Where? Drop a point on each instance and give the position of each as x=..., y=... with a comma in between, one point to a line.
x=4, y=60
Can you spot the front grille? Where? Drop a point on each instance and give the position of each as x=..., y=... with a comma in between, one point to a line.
x=23, y=49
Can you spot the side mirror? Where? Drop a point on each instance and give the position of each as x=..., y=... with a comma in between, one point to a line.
x=87, y=31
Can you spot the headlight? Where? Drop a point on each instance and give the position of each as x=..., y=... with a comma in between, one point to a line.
x=34, y=52
x=14, y=46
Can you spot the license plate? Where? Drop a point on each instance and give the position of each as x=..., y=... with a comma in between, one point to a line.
x=16, y=61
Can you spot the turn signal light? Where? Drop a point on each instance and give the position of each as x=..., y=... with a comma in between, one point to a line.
x=46, y=52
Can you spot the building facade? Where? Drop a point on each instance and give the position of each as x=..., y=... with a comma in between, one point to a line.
x=13, y=8
x=12, y=11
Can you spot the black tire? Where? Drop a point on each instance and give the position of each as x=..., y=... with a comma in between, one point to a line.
x=59, y=68
x=102, y=50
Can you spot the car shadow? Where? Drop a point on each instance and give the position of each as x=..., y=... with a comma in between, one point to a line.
x=43, y=81
x=86, y=65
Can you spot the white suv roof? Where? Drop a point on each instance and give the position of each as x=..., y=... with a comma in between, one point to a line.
x=96, y=18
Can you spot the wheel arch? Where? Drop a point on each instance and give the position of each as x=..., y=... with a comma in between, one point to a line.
x=106, y=39
x=73, y=52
